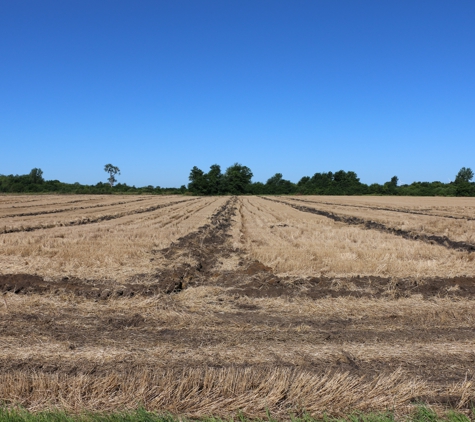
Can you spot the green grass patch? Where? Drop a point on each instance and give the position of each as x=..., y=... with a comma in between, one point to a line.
x=421, y=414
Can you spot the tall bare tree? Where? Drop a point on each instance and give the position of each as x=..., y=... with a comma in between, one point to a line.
x=112, y=170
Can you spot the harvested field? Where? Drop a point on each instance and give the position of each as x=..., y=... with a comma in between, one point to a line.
x=37, y=219
x=436, y=228
x=298, y=242
x=215, y=305
x=61, y=208
x=117, y=245
x=439, y=206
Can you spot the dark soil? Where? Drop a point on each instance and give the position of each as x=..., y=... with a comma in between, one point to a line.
x=90, y=220
x=379, y=208
x=373, y=225
x=194, y=261
x=209, y=244
x=205, y=247
x=140, y=334
x=60, y=210
x=268, y=285
x=23, y=284
x=254, y=280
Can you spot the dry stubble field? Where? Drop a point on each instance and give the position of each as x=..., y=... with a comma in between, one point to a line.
x=214, y=305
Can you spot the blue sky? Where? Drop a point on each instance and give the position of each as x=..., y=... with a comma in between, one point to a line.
x=381, y=88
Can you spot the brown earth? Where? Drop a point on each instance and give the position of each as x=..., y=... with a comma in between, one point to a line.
x=380, y=208
x=86, y=220
x=373, y=225
x=209, y=244
x=194, y=315
x=61, y=210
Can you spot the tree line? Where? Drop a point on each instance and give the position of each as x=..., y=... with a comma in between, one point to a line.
x=34, y=182
x=237, y=180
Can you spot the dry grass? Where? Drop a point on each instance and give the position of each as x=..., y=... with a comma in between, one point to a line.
x=211, y=350
x=303, y=244
x=50, y=203
x=441, y=206
x=460, y=230
x=13, y=201
x=274, y=361
x=221, y=392
x=115, y=249
x=205, y=326
x=83, y=215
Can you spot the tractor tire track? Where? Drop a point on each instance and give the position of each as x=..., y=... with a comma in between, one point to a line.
x=32, y=204
x=397, y=210
x=189, y=262
x=373, y=225
x=89, y=220
x=57, y=211
x=204, y=246
x=193, y=260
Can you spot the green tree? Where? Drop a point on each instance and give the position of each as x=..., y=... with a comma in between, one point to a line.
x=320, y=184
x=237, y=179
x=390, y=188
x=112, y=170
x=465, y=175
x=36, y=176
x=197, y=180
x=346, y=183
x=304, y=185
x=257, y=188
x=214, y=179
x=463, y=187
x=278, y=185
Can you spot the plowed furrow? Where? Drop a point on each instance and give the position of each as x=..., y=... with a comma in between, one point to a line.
x=395, y=210
x=373, y=225
x=89, y=220
x=203, y=246
x=57, y=211
x=20, y=204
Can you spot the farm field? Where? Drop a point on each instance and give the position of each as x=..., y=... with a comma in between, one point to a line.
x=214, y=305
x=448, y=207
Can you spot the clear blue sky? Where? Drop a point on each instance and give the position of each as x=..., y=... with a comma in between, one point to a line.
x=382, y=88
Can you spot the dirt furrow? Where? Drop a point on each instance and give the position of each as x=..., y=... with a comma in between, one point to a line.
x=102, y=331
x=194, y=260
x=373, y=225
x=190, y=260
x=6, y=199
x=202, y=247
x=396, y=210
x=90, y=220
x=20, y=204
x=57, y=211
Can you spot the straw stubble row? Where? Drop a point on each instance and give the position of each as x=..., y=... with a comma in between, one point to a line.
x=211, y=350
x=301, y=244
x=115, y=249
